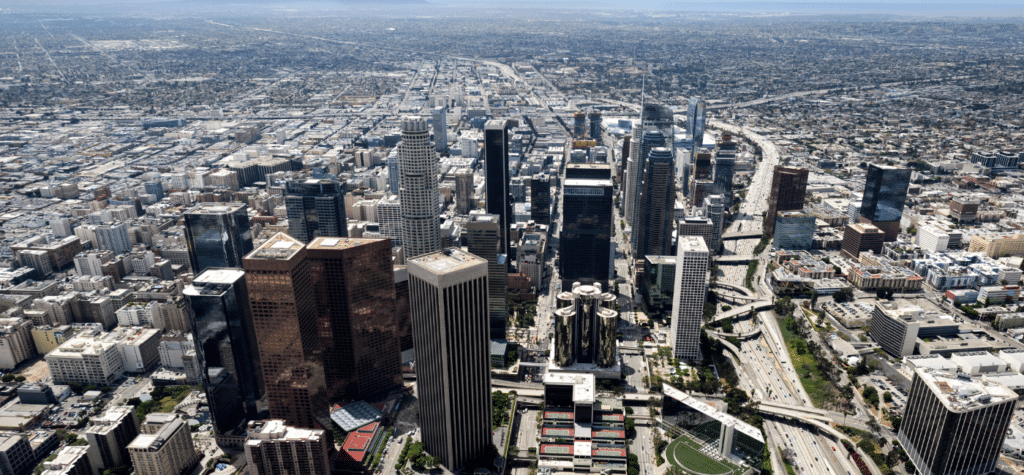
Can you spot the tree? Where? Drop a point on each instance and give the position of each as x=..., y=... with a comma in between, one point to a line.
x=814, y=299
x=7, y=378
x=630, y=424
x=843, y=295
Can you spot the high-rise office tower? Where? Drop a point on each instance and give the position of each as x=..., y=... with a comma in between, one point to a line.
x=217, y=235
x=885, y=194
x=419, y=195
x=449, y=324
x=463, y=190
x=794, y=230
x=540, y=199
x=595, y=125
x=653, y=225
x=696, y=226
x=402, y=310
x=652, y=139
x=789, y=187
x=225, y=341
x=394, y=174
x=955, y=425
x=284, y=313
x=354, y=285
x=725, y=164
x=623, y=160
x=696, y=118
x=499, y=200
x=579, y=124
x=585, y=248
x=585, y=327
x=440, y=130
x=316, y=207
x=714, y=209
x=691, y=284
x=483, y=239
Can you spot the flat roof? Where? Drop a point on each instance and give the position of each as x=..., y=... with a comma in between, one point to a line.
x=964, y=394
x=279, y=247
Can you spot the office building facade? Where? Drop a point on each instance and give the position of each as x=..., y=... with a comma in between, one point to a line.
x=217, y=235
x=273, y=448
x=450, y=330
x=794, y=230
x=464, y=190
x=651, y=139
x=419, y=195
x=282, y=299
x=498, y=194
x=585, y=253
x=483, y=239
x=355, y=294
x=691, y=283
x=440, y=121
x=164, y=446
x=789, y=188
x=315, y=207
x=653, y=227
x=955, y=425
x=225, y=343
x=540, y=199
x=861, y=237
x=110, y=433
x=885, y=194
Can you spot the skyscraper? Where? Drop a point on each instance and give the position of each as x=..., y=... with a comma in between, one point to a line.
x=499, y=200
x=595, y=125
x=789, y=187
x=450, y=330
x=284, y=313
x=725, y=163
x=483, y=238
x=354, y=284
x=691, y=290
x=955, y=425
x=419, y=195
x=440, y=130
x=316, y=207
x=217, y=235
x=885, y=194
x=540, y=199
x=585, y=246
x=714, y=209
x=651, y=139
x=225, y=341
x=463, y=190
x=696, y=118
x=653, y=225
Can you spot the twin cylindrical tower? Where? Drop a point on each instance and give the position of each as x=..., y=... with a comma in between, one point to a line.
x=585, y=327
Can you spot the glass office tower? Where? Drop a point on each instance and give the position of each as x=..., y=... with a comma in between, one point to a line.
x=217, y=235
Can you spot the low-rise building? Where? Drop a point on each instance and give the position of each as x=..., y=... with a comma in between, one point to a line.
x=897, y=329
x=273, y=447
x=580, y=432
x=70, y=460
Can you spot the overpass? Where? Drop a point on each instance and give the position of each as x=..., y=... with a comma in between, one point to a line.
x=744, y=310
x=735, y=260
x=742, y=235
x=742, y=336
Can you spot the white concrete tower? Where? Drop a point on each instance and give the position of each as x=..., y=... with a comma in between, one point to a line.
x=418, y=193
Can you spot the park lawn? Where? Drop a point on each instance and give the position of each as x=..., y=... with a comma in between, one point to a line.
x=815, y=385
x=685, y=454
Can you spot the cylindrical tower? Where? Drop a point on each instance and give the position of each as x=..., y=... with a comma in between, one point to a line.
x=607, y=322
x=563, y=354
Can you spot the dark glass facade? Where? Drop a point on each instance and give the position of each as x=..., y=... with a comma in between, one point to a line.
x=789, y=188
x=540, y=199
x=359, y=335
x=225, y=340
x=498, y=196
x=653, y=230
x=315, y=208
x=585, y=240
x=217, y=235
x=483, y=240
x=284, y=313
x=885, y=193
